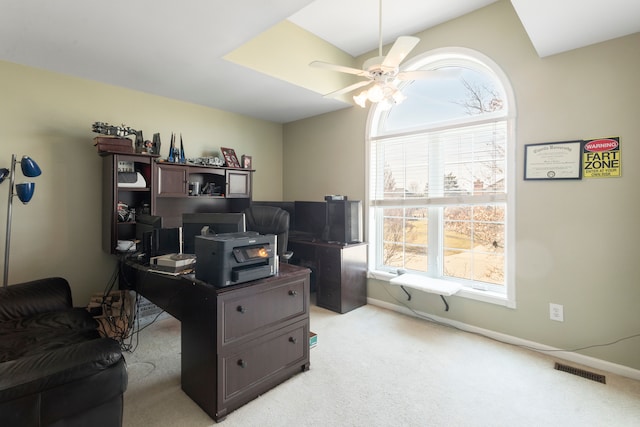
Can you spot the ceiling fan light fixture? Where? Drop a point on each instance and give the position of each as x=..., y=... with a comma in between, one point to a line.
x=381, y=70
x=380, y=94
x=361, y=99
x=376, y=93
x=398, y=97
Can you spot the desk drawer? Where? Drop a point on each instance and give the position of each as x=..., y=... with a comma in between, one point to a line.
x=264, y=362
x=251, y=312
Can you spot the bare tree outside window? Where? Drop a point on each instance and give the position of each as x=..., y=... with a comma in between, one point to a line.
x=480, y=98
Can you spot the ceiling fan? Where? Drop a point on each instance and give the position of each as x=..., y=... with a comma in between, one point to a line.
x=380, y=71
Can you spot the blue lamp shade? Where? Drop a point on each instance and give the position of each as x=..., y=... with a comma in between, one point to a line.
x=25, y=191
x=4, y=172
x=29, y=167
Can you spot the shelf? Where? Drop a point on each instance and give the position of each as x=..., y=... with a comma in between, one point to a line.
x=133, y=189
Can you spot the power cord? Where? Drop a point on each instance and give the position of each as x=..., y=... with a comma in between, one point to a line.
x=112, y=310
x=135, y=326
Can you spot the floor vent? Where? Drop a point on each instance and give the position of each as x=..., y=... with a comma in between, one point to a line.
x=581, y=373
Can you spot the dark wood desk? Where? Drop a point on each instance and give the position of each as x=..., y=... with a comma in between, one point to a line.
x=238, y=341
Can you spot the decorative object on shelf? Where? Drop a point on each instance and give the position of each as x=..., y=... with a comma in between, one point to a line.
x=24, y=191
x=207, y=161
x=230, y=157
x=182, y=159
x=139, y=143
x=107, y=129
x=148, y=147
x=155, y=145
x=171, y=157
x=246, y=161
x=117, y=141
x=125, y=213
x=141, y=146
x=210, y=189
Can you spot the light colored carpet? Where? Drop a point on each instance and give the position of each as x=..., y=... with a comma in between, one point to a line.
x=375, y=367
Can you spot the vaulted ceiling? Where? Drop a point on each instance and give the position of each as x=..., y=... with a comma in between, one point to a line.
x=251, y=56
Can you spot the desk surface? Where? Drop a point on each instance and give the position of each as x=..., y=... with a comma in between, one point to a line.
x=318, y=242
x=166, y=291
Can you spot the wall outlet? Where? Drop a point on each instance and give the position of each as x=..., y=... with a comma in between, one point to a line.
x=556, y=312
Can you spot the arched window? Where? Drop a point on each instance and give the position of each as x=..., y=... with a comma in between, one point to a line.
x=441, y=177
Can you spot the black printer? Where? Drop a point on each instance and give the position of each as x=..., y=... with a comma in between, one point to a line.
x=232, y=258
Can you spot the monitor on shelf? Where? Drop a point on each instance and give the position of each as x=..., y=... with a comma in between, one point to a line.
x=147, y=223
x=153, y=240
x=309, y=220
x=196, y=224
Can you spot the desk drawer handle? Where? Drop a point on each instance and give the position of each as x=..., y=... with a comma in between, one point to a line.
x=241, y=309
x=293, y=293
x=242, y=363
x=293, y=340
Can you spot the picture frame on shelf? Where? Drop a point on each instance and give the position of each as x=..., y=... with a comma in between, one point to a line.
x=246, y=161
x=230, y=157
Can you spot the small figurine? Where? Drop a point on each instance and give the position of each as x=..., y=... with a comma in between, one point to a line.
x=171, y=158
x=182, y=159
x=155, y=145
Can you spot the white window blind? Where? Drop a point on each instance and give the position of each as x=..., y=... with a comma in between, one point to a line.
x=454, y=165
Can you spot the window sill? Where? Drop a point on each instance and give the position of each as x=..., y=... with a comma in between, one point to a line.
x=466, y=292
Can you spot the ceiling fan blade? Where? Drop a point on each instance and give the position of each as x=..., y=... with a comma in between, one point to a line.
x=348, y=88
x=339, y=68
x=399, y=51
x=429, y=74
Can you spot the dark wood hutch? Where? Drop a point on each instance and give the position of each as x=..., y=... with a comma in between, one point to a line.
x=166, y=192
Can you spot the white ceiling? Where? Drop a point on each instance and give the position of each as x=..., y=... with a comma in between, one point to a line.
x=176, y=48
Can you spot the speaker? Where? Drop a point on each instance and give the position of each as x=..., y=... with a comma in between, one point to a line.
x=344, y=221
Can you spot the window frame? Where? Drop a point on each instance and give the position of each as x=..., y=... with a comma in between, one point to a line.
x=454, y=56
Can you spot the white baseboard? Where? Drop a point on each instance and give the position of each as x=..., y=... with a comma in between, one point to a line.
x=591, y=362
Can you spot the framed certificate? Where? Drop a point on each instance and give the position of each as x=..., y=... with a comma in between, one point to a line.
x=553, y=160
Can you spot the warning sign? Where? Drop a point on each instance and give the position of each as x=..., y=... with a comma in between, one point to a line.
x=601, y=158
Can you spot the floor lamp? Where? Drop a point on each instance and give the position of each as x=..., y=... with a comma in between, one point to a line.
x=24, y=191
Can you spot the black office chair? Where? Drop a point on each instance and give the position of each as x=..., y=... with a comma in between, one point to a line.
x=270, y=220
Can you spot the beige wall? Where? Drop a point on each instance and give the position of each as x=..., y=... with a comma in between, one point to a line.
x=576, y=240
x=49, y=116
x=325, y=155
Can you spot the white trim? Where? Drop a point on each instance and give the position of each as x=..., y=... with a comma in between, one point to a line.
x=487, y=296
x=427, y=284
x=459, y=56
x=591, y=362
x=466, y=292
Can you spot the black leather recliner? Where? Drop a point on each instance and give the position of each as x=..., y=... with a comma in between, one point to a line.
x=55, y=368
x=270, y=220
